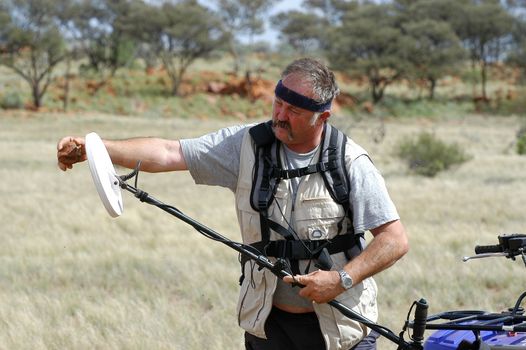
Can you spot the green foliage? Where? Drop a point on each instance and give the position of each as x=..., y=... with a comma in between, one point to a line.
x=521, y=141
x=434, y=51
x=245, y=16
x=303, y=31
x=426, y=155
x=438, y=108
x=189, y=31
x=418, y=42
x=31, y=42
x=11, y=100
x=105, y=29
x=517, y=56
x=484, y=29
x=369, y=42
x=512, y=102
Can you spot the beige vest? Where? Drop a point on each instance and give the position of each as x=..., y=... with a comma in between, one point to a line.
x=314, y=211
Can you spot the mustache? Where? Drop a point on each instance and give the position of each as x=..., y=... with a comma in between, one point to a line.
x=281, y=124
x=284, y=125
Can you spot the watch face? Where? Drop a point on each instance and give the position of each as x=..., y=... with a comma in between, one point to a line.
x=346, y=279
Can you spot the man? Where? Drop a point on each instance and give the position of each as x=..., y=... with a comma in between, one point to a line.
x=305, y=194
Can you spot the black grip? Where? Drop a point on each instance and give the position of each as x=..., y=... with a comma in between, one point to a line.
x=419, y=323
x=481, y=249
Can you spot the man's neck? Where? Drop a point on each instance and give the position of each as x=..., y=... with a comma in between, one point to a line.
x=305, y=147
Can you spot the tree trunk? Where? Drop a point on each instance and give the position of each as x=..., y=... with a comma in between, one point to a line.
x=473, y=72
x=483, y=76
x=432, y=86
x=65, y=102
x=175, y=87
x=377, y=92
x=235, y=56
x=248, y=85
x=35, y=91
x=177, y=79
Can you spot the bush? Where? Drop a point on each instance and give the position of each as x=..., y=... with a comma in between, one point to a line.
x=426, y=155
x=521, y=141
x=11, y=100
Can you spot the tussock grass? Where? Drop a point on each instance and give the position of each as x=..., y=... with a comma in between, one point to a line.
x=72, y=277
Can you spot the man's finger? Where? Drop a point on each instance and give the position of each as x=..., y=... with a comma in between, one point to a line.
x=289, y=279
x=294, y=279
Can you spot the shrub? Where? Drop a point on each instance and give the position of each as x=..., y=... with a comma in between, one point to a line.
x=521, y=141
x=11, y=100
x=426, y=155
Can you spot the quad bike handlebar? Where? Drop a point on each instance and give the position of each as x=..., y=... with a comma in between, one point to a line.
x=509, y=246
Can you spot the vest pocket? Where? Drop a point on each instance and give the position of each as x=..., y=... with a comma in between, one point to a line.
x=344, y=332
x=318, y=217
x=361, y=298
x=249, y=219
x=255, y=299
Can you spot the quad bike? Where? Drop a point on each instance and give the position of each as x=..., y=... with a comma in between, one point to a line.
x=482, y=329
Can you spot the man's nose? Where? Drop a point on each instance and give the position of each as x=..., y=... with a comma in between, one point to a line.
x=281, y=114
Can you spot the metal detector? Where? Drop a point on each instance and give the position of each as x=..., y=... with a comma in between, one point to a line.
x=109, y=185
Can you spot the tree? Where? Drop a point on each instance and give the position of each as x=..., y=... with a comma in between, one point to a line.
x=5, y=24
x=484, y=27
x=65, y=20
x=32, y=44
x=517, y=54
x=101, y=29
x=434, y=50
x=331, y=10
x=188, y=31
x=303, y=31
x=369, y=42
x=243, y=17
x=144, y=24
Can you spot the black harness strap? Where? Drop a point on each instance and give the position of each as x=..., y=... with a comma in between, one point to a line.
x=304, y=249
x=337, y=183
x=264, y=184
x=311, y=169
x=266, y=177
x=307, y=249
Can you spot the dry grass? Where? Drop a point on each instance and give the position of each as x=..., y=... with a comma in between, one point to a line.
x=73, y=278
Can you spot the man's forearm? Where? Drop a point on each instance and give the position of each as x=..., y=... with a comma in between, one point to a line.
x=156, y=155
x=389, y=245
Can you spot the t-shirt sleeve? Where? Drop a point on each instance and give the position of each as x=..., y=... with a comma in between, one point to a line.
x=372, y=205
x=213, y=159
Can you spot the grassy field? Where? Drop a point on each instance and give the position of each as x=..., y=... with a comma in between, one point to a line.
x=71, y=277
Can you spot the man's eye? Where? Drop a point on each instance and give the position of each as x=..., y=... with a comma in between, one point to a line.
x=294, y=111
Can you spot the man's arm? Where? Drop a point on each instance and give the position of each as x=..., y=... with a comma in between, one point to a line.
x=388, y=245
x=155, y=154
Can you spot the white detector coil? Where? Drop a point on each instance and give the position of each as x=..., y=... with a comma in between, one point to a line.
x=104, y=175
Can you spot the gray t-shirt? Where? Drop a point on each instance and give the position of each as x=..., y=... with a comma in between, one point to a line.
x=213, y=159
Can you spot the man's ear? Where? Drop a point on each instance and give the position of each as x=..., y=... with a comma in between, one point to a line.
x=324, y=116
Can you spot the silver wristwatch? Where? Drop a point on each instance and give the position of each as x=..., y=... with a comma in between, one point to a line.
x=345, y=279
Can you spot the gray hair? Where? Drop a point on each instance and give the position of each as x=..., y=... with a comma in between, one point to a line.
x=318, y=75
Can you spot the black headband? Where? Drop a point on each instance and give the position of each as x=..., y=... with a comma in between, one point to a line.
x=299, y=100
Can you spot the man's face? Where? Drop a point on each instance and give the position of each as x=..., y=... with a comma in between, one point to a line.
x=294, y=126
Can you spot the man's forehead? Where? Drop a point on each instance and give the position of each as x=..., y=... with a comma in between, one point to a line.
x=298, y=92
x=298, y=84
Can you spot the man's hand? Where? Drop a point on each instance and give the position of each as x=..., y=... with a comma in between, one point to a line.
x=70, y=150
x=319, y=286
